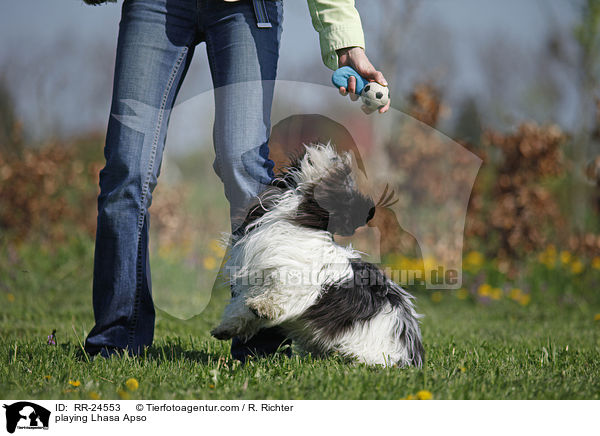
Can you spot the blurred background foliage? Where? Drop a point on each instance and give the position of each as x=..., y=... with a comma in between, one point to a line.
x=535, y=203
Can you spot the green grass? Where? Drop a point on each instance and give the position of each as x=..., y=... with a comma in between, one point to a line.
x=548, y=349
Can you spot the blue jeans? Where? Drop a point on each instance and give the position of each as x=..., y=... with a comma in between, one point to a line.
x=155, y=47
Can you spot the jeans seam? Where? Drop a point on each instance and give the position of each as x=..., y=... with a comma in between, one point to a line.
x=213, y=64
x=144, y=193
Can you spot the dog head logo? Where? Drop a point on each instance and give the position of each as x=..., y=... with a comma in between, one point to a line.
x=26, y=415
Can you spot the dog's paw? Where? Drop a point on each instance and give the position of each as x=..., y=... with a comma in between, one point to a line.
x=264, y=308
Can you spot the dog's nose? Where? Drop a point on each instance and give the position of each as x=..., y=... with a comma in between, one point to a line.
x=371, y=214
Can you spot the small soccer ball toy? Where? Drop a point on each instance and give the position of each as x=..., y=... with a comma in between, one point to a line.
x=373, y=94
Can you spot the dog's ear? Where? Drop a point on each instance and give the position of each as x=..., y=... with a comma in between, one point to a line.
x=310, y=213
x=285, y=180
x=295, y=159
x=281, y=182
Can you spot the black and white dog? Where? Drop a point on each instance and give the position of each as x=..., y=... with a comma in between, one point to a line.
x=285, y=269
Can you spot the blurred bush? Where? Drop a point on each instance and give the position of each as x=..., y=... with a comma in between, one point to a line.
x=516, y=208
x=522, y=198
x=49, y=191
x=519, y=204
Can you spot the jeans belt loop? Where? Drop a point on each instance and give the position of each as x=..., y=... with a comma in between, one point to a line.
x=260, y=10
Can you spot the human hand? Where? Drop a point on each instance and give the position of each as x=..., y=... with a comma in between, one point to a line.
x=356, y=58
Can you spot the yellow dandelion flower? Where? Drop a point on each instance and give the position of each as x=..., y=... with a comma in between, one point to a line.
x=429, y=264
x=484, y=290
x=577, y=267
x=462, y=294
x=93, y=396
x=548, y=257
x=550, y=264
x=463, y=369
x=123, y=395
x=596, y=262
x=132, y=384
x=436, y=297
x=542, y=257
x=47, y=377
x=524, y=300
x=515, y=293
x=407, y=264
x=216, y=247
x=75, y=383
x=496, y=293
x=211, y=386
x=209, y=263
x=10, y=297
x=565, y=257
x=597, y=317
x=424, y=395
x=473, y=261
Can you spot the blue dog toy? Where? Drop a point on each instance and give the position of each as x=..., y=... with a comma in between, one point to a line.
x=341, y=75
x=373, y=94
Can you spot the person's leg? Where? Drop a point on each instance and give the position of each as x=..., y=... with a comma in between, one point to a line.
x=243, y=62
x=155, y=46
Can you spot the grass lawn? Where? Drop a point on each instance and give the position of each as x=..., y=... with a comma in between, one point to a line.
x=548, y=347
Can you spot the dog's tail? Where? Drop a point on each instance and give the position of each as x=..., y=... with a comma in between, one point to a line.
x=416, y=352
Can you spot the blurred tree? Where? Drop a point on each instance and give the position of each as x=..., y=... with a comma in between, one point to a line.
x=406, y=48
x=587, y=33
x=388, y=25
x=468, y=124
x=11, y=142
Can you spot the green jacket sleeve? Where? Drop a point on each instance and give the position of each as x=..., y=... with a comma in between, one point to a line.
x=339, y=26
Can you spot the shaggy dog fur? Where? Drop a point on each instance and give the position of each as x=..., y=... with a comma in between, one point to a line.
x=286, y=269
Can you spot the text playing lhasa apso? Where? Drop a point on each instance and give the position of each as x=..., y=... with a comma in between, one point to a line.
x=286, y=269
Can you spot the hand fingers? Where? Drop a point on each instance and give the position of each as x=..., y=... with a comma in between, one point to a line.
x=345, y=92
x=385, y=108
x=377, y=76
x=352, y=84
